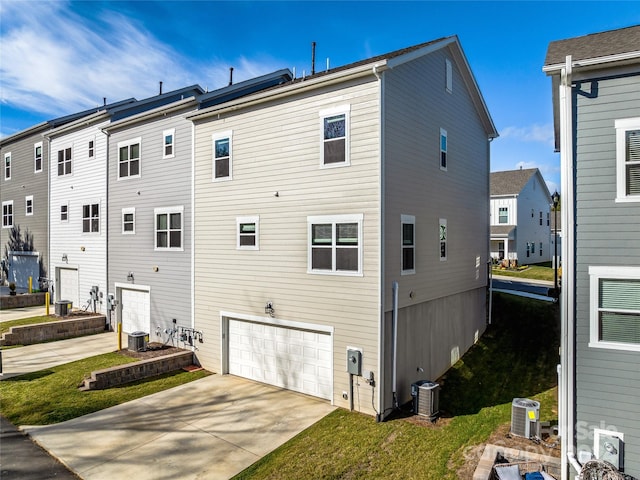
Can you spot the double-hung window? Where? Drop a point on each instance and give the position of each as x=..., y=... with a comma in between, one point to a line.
x=37, y=157
x=28, y=205
x=222, y=156
x=168, y=228
x=335, y=136
x=7, y=166
x=615, y=307
x=408, y=244
x=91, y=148
x=503, y=215
x=7, y=214
x=129, y=158
x=91, y=218
x=335, y=244
x=64, y=161
x=248, y=233
x=628, y=159
x=64, y=212
x=168, y=141
x=443, y=149
x=128, y=221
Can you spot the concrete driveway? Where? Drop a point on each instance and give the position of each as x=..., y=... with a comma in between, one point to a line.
x=212, y=428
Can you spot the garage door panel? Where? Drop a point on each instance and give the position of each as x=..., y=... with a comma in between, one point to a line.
x=69, y=285
x=291, y=358
x=135, y=310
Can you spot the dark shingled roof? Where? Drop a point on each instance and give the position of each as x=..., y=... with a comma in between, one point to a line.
x=510, y=182
x=595, y=45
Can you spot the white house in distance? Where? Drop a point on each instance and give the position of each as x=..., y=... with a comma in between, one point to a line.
x=520, y=217
x=342, y=219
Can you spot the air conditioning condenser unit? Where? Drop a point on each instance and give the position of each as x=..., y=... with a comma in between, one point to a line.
x=525, y=418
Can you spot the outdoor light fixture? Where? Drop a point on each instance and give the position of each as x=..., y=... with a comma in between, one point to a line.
x=556, y=200
x=130, y=276
x=64, y=258
x=268, y=309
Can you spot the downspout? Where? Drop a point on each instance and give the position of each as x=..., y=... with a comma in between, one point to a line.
x=395, y=344
x=108, y=135
x=567, y=321
x=489, y=261
x=193, y=213
x=381, y=267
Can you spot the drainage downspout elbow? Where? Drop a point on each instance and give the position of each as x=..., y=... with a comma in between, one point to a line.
x=574, y=462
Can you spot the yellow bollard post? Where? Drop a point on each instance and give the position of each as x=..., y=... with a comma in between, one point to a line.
x=46, y=301
x=30, y=284
x=119, y=336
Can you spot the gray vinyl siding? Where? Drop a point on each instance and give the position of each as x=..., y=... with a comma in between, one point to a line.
x=607, y=234
x=163, y=182
x=24, y=182
x=276, y=148
x=416, y=108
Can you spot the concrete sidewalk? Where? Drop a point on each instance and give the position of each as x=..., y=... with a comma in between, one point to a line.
x=212, y=428
x=9, y=314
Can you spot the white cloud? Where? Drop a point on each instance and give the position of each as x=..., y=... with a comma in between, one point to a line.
x=58, y=62
x=532, y=133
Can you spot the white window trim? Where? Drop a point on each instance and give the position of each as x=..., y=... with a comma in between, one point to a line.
x=443, y=221
x=219, y=136
x=407, y=219
x=13, y=213
x=329, y=112
x=172, y=132
x=255, y=220
x=4, y=166
x=443, y=133
x=168, y=211
x=125, y=211
x=595, y=274
x=35, y=149
x=622, y=126
x=448, y=76
x=333, y=219
x=26, y=205
x=82, y=217
x=128, y=143
x=60, y=216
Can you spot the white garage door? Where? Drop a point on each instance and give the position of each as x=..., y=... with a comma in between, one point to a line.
x=291, y=358
x=135, y=310
x=68, y=285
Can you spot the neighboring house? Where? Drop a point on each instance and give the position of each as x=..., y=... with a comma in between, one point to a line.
x=24, y=194
x=150, y=210
x=342, y=220
x=596, y=104
x=78, y=199
x=520, y=217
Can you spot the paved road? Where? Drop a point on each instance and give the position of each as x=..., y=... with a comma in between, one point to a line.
x=501, y=284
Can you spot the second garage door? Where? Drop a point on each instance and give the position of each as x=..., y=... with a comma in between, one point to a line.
x=135, y=310
x=292, y=358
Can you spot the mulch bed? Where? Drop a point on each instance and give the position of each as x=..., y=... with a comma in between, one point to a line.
x=154, y=349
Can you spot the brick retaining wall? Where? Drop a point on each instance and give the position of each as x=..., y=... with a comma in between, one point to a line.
x=130, y=372
x=44, y=332
x=22, y=300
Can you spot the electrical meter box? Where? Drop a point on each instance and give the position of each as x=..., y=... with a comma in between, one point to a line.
x=610, y=449
x=354, y=362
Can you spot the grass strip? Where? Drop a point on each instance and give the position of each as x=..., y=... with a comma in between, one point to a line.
x=52, y=395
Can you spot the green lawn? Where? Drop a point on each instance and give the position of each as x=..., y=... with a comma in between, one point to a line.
x=516, y=357
x=536, y=272
x=51, y=396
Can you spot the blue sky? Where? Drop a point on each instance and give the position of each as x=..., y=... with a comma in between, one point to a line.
x=61, y=57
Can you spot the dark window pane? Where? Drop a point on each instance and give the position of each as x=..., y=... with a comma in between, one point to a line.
x=161, y=239
x=95, y=225
x=443, y=159
x=633, y=179
x=124, y=154
x=222, y=168
x=67, y=169
x=347, y=259
x=222, y=148
x=124, y=169
x=347, y=234
x=334, y=151
x=175, y=221
x=134, y=167
x=94, y=210
x=620, y=327
x=168, y=150
x=135, y=151
x=247, y=228
x=174, y=239
x=321, y=258
x=247, y=240
x=60, y=169
x=407, y=258
x=86, y=225
x=161, y=221
x=407, y=234
x=321, y=234
x=334, y=127
x=443, y=249
x=128, y=226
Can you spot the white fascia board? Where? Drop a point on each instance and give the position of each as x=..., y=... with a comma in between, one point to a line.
x=156, y=112
x=23, y=133
x=427, y=49
x=590, y=62
x=294, y=88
